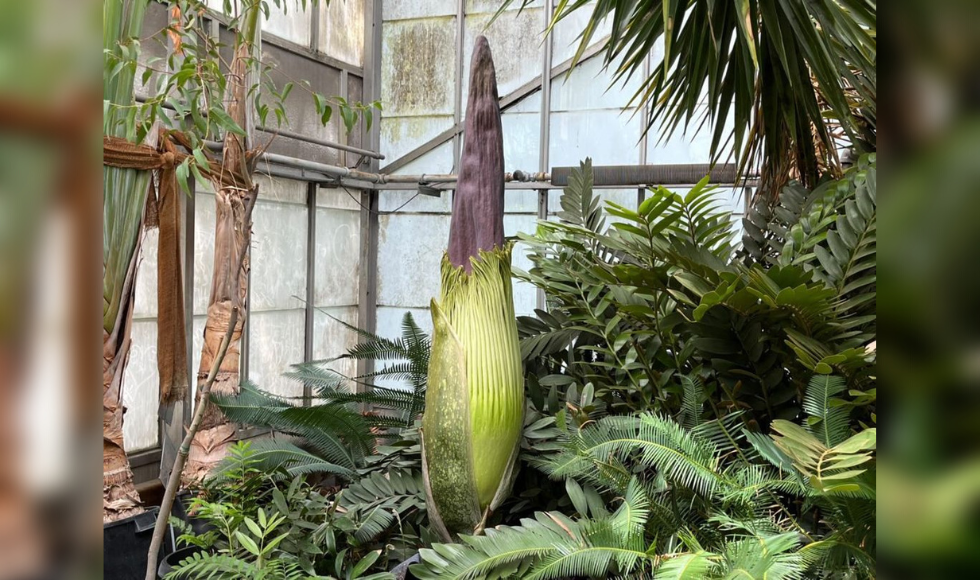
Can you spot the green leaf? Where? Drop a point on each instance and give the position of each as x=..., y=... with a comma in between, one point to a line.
x=226, y=122
x=577, y=496
x=365, y=563
x=248, y=543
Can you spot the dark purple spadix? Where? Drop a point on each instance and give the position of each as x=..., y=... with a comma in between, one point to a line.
x=478, y=208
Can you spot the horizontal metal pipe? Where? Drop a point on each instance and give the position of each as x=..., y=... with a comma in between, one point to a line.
x=288, y=167
x=678, y=174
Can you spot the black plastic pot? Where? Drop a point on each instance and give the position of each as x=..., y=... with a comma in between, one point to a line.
x=125, y=544
x=174, y=558
x=182, y=505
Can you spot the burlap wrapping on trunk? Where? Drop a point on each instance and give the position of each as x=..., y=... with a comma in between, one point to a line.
x=163, y=211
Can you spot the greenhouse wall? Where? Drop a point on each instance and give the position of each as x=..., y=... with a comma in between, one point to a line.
x=308, y=240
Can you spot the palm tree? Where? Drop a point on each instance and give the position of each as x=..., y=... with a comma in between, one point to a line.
x=235, y=196
x=124, y=197
x=797, y=78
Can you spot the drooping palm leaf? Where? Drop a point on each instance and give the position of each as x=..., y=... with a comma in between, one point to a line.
x=789, y=74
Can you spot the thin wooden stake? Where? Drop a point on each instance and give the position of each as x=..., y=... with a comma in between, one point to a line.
x=173, y=484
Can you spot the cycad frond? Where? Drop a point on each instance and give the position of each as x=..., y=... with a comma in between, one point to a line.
x=656, y=442
x=339, y=434
x=692, y=401
x=691, y=566
x=277, y=455
x=579, y=205
x=549, y=546
x=214, y=566
x=332, y=387
x=830, y=423
x=772, y=557
x=831, y=470
x=395, y=488
x=701, y=223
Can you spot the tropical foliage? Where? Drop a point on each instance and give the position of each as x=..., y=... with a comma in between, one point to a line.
x=712, y=405
x=712, y=501
x=655, y=302
x=335, y=434
x=261, y=528
x=124, y=194
x=786, y=83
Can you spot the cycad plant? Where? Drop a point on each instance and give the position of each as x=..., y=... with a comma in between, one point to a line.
x=124, y=194
x=346, y=416
x=711, y=501
x=660, y=294
x=475, y=400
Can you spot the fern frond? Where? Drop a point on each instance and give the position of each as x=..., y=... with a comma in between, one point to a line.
x=342, y=436
x=579, y=206
x=772, y=557
x=831, y=470
x=549, y=546
x=218, y=566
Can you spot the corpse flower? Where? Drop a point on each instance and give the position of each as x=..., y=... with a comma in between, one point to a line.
x=475, y=401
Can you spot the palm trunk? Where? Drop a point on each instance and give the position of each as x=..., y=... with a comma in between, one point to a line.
x=124, y=198
x=119, y=496
x=229, y=285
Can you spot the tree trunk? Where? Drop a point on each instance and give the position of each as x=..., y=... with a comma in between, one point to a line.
x=229, y=284
x=229, y=288
x=119, y=497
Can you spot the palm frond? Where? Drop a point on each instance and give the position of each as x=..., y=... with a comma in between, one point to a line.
x=688, y=566
x=692, y=402
x=548, y=546
x=775, y=79
x=830, y=423
x=340, y=435
x=579, y=206
x=655, y=442
x=279, y=456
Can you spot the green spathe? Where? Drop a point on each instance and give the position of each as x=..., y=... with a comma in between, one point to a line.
x=475, y=398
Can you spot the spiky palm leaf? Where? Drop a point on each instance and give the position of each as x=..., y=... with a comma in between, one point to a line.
x=786, y=73
x=656, y=442
x=277, y=455
x=405, y=359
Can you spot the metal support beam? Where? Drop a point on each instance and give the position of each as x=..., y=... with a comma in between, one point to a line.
x=311, y=190
x=544, y=135
x=345, y=93
x=645, y=114
x=458, y=87
x=368, y=279
x=367, y=310
x=323, y=142
x=315, y=26
x=309, y=52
